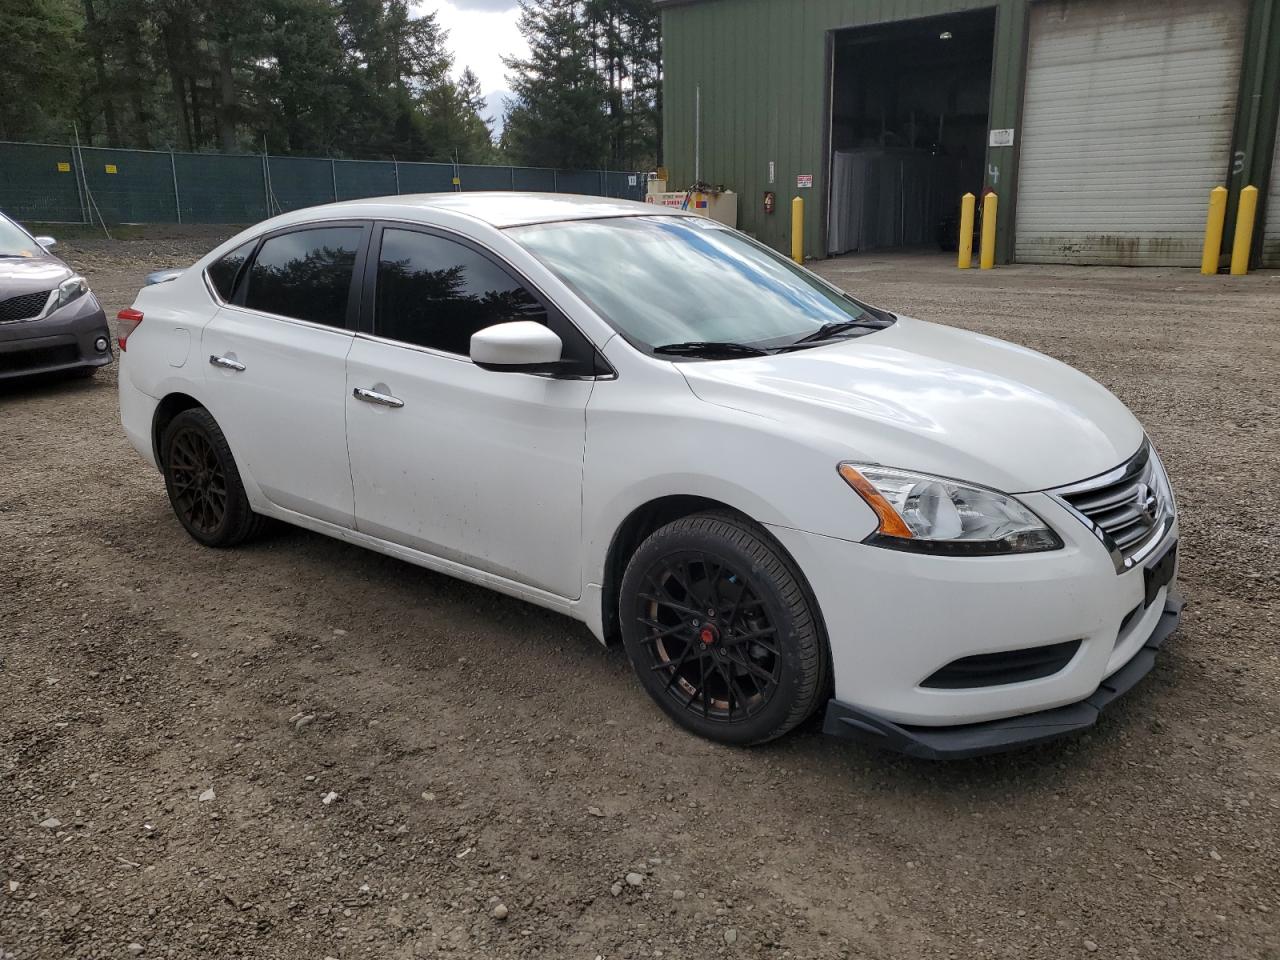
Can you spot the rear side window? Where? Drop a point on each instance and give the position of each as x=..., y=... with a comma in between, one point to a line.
x=224, y=272
x=433, y=292
x=305, y=275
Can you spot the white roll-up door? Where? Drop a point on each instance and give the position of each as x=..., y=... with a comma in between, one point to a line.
x=1126, y=127
x=1271, y=233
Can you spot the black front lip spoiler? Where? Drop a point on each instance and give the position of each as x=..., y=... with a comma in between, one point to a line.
x=995, y=736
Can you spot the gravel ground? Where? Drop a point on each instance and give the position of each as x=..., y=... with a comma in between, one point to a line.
x=303, y=750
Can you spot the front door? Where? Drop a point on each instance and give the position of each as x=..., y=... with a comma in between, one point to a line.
x=473, y=466
x=275, y=368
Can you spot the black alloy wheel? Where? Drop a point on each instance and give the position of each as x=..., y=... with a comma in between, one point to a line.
x=199, y=481
x=709, y=637
x=203, y=482
x=720, y=630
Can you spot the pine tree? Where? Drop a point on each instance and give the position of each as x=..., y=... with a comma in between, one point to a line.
x=355, y=78
x=556, y=117
x=458, y=129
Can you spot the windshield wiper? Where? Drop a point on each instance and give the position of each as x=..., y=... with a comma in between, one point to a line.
x=710, y=349
x=829, y=330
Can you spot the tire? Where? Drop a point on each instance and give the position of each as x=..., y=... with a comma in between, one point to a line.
x=745, y=675
x=203, y=482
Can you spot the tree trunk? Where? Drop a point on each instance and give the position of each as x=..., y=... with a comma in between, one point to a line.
x=138, y=90
x=197, y=121
x=226, y=97
x=178, y=85
x=141, y=119
x=94, y=36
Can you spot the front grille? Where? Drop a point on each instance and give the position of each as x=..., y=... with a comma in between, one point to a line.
x=36, y=359
x=1125, y=505
x=27, y=306
x=1008, y=666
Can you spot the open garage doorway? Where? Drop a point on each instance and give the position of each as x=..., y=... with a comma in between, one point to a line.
x=909, y=107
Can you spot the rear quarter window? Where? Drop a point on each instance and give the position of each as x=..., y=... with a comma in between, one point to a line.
x=224, y=273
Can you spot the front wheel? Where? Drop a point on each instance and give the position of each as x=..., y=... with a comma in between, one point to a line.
x=721, y=630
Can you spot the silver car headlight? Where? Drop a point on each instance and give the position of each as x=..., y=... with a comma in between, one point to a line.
x=927, y=514
x=72, y=288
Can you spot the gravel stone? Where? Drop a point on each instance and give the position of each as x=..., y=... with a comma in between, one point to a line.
x=1105, y=832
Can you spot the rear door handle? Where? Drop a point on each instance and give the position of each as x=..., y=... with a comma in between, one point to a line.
x=227, y=363
x=382, y=399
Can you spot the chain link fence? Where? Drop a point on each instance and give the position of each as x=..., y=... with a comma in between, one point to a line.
x=70, y=184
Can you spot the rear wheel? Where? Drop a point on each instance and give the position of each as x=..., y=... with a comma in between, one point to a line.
x=721, y=630
x=203, y=482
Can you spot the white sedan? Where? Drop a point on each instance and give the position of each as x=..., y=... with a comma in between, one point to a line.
x=778, y=498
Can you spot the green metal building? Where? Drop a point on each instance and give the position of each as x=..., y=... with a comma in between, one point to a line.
x=1101, y=125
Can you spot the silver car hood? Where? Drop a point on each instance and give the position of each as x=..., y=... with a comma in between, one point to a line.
x=19, y=275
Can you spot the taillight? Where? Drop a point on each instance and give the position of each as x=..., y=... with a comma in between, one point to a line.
x=127, y=321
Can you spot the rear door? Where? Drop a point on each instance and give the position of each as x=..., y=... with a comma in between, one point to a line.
x=275, y=366
x=470, y=465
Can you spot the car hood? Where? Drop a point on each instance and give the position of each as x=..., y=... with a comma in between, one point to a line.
x=925, y=397
x=19, y=275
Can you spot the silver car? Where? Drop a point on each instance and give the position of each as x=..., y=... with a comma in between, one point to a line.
x=50, y=321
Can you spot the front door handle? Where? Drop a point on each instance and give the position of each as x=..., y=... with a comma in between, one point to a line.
x=227, y=363
x=373, y=396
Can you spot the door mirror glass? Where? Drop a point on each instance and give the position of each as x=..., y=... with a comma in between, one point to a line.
x=521, y=346
x=46, y=242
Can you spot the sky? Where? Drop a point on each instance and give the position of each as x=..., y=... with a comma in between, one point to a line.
x=481, y=33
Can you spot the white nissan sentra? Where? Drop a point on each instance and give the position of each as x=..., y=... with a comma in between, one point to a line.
x=780, y=499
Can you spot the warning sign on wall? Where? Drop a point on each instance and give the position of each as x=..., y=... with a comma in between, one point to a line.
x=805, y=181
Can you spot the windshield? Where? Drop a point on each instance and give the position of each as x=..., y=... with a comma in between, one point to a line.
x=14, y=241
x=664, y=281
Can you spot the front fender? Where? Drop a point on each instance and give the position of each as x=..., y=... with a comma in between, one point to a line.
x=649, y=437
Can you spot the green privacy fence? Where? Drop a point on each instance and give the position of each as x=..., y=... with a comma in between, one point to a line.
x=62, y=183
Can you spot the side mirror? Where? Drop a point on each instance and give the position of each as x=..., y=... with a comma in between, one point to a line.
x=46, y=242
x=521, y=346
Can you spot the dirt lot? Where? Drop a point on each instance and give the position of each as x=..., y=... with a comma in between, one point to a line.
x=462, y=750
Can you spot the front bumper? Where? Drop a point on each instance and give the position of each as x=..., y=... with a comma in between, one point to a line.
x=66, y=340
x=994, y=736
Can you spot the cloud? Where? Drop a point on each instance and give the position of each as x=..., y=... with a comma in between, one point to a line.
x=481, y=33
x=487, y=6
x=496, y=110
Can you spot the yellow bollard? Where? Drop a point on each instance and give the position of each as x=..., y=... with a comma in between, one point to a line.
x=797, y=230
x=1245, y=214
x=1213, y=231
x=966, y=232
x=988, y=254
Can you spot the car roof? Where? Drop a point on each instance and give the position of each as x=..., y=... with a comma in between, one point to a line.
x=502, y=208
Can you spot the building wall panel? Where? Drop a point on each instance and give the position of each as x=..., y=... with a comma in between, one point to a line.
x=1271, y=231
x=762, y=65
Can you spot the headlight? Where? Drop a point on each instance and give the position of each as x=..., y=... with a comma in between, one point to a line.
x=927, y=514
x=70, y=289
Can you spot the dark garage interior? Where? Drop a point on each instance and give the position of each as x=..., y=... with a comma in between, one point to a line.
x=909, y=108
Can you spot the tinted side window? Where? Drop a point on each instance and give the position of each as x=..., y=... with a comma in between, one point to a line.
x=436, y=293
x=306, y=274
x=224, y=272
